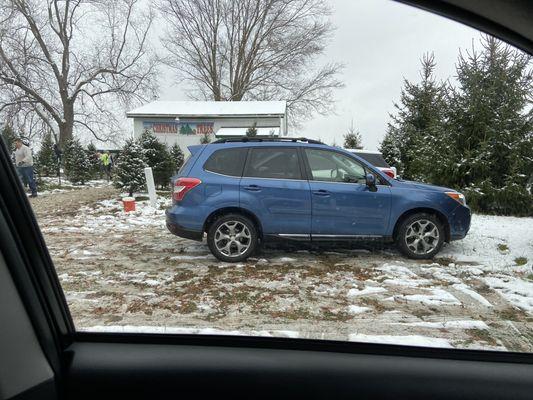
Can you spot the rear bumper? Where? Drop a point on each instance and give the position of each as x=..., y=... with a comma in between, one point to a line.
x=179, y=230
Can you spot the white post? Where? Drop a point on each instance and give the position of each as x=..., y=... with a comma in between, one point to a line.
x=151, y=186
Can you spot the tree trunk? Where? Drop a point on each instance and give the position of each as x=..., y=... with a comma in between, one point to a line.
x=67, y=127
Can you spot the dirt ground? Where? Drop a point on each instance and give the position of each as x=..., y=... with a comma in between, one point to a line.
x=127, y=272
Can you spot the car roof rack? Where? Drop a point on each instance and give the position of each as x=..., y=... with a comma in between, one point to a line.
x=245, y=139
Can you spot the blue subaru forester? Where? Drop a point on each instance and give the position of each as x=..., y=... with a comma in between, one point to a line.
x=243, y=192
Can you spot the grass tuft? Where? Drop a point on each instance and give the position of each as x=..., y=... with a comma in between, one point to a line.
x=503, y=247
x=520, y=260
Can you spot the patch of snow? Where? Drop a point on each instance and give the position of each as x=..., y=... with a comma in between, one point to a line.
x=185, y=330
x=325, y=290
x=470, y=292
x=516, y=291
x=286, y=259
x=465, y=324
x=486, y=233
x=367, y=290
x=436, y=297
x=286, y=333
x=357, y=309
x=185, y=257
x=409, y=340
x=402, y=276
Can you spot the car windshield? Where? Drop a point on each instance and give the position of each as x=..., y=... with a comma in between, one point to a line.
x=218, y=167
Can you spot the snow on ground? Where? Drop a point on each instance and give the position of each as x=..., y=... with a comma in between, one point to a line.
x=365, y=291
x=494, y=242
x=450, y=324
x=408, y=340
x=514, y=290
x=123, y=272
x=52, y=185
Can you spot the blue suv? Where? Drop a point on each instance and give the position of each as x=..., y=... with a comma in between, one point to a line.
x=244, y=192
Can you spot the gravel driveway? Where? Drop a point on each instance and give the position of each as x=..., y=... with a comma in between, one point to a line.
x=125, y=272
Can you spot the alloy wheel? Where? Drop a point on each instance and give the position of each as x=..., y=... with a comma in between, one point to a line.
x=422, y=236
x=232, y=238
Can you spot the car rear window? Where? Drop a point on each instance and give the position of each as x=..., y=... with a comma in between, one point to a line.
x=279, y=163
x=227, y=161
x=375, y=159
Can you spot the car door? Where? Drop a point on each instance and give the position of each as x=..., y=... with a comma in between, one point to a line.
x=274, y=189
x=343, y=206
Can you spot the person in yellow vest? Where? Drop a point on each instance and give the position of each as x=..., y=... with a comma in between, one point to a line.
x=105, y=159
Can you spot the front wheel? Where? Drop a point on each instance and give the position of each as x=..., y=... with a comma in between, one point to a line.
x=420, y=236
x=232, y=238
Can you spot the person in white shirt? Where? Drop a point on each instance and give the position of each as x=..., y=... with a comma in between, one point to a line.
x=24, y=163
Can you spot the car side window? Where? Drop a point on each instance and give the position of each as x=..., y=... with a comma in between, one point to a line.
x=227, y=161
x=278, y=163
x=331, y=166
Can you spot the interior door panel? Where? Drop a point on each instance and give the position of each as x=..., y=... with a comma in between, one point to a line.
x=152, y=371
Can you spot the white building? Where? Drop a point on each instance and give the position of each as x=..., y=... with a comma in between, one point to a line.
x=185, y=122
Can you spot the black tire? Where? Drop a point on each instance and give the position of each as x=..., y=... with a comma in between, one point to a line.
x=404, y=236
x=248, y=229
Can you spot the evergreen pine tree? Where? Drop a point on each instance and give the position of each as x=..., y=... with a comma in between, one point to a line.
x=9, y=137
x=492, y=126
x=417, y=132
x=76, y=162
x=177, y=156
x=46, y=160
x=94, y=161
x=129, y=171
x=158, y=157
x=390, y=147
x=353, y=139
x=205, y=139
x=251, y=131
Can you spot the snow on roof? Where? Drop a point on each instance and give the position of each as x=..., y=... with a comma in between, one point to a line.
x=208, y=108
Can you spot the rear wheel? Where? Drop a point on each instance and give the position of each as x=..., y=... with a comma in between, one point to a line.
x=420, y=236
x=232, y=238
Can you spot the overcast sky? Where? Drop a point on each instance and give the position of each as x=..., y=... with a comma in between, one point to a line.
x=380, y=42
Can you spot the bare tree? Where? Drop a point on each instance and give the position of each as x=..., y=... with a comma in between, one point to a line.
x=252, y=50
x=69, y=61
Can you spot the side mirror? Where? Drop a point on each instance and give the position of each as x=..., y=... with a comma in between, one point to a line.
x=371, y=182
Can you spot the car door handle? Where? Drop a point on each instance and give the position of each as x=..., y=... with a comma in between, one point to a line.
x=321, y=192
x=252, y=188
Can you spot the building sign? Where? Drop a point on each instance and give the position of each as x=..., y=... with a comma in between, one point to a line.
x=181, y=127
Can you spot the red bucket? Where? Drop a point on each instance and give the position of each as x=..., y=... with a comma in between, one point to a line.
x=129, y=203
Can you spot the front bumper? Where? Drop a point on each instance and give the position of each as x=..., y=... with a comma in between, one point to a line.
x=460, y=221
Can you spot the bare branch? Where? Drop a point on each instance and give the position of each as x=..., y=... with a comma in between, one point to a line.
x=252, y=49
x=65, y=55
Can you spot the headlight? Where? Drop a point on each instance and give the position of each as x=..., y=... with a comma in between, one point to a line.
x=457, y=197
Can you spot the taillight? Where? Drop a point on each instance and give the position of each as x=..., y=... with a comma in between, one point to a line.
x=182, y=186
x=388, y=172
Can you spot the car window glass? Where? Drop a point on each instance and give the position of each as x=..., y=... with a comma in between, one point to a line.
x=227, y=161
x=279, y=163
x=374, y=159
x=331, y=166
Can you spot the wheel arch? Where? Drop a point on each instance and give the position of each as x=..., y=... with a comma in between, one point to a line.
x=426, y=210
x=233, y=210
